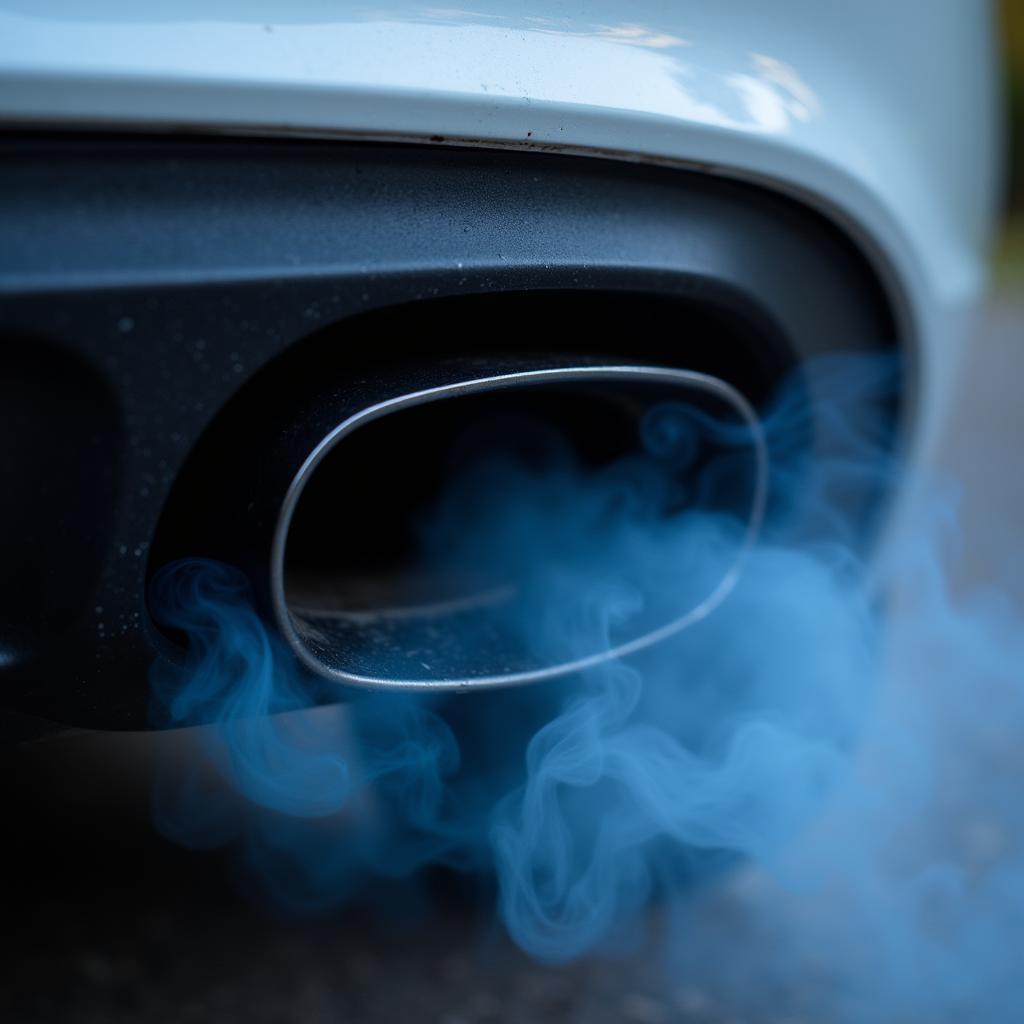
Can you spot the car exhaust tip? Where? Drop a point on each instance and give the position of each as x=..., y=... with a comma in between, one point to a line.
x=346, y=588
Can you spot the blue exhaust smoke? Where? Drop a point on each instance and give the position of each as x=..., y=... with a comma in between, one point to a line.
x=858, y=806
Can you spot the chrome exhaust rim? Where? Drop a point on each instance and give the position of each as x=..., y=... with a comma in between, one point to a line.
x=706, y=383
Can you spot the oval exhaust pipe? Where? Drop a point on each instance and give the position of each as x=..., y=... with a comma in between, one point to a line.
x=439, y=633
x=323, y=515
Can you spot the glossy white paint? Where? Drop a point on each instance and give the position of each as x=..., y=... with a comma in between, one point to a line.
x=880, y=112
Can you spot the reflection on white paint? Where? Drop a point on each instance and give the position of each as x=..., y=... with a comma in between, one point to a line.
x=627, y=33
x=625, y=65
x=764, y=93
x=804, y=103
x=762, y=104
x=459, y=14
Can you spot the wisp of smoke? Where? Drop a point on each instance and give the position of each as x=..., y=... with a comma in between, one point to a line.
x=811, y=811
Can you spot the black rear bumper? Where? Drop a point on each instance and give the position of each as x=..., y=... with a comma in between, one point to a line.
x=144, y=283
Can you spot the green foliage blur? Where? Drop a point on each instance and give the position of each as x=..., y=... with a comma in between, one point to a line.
x=1013, y=35
x=1010, y=257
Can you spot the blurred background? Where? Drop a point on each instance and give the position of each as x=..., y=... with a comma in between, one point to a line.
x=106, y=922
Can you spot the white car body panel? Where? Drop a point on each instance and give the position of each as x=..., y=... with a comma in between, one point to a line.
x=880, y=114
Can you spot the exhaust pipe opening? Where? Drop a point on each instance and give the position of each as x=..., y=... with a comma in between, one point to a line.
x=362, y=601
